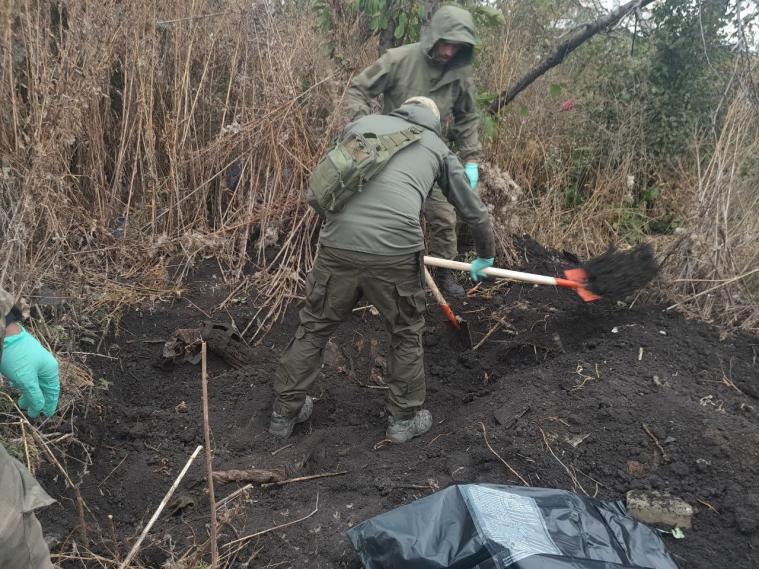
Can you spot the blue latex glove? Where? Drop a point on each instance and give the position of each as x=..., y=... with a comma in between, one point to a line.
x=477, y=265
x=32, y=370
x=473, y=173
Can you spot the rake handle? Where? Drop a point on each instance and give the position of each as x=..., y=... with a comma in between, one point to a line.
x=502, y=273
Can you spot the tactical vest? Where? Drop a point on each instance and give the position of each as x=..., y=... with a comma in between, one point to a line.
x=354, y=161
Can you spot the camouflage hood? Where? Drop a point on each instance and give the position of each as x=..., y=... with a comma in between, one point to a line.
x=455, y=25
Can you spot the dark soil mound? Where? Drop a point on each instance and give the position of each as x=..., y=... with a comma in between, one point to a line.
x=597, y=398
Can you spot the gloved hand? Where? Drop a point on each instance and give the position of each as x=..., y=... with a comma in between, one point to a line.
x=33, y=370
x=473, y=173
x=477, y=265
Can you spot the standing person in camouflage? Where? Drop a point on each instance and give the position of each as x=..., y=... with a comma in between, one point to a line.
x=22, y=545
x=372, y=249
x=438, y=67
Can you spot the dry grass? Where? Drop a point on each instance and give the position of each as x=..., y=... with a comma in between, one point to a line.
x=715, y=266
x=712, y=266
x=121, y=125
x=538, y=145
x=122, y=122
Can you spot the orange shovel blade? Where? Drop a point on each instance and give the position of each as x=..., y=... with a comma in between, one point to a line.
x=450, y=316
x=580, y=280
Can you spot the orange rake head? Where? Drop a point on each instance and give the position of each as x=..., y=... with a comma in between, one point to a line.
x=578, y=280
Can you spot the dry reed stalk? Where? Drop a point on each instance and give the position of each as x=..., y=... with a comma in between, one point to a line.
x=123, y=133
x=209, y=460
x=161, y=506
x=498, y=456
x=713, y=269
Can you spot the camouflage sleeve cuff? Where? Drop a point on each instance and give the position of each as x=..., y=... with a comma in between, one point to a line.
x=484, y=241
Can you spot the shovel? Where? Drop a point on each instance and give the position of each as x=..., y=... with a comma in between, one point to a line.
x=615, y=274
x=462, y=336
x=575, y=278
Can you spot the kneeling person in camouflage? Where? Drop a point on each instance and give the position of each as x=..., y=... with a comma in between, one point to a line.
x=372, y=249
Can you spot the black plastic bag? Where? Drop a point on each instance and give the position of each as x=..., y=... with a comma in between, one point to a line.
x=485, y=526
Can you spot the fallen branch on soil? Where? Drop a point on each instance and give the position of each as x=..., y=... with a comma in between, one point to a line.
x=275, y=528
x=575, y=482
x=499, y=322
x=438, y=436
x=61, y=558
x=209, y=456
x=104, y=480
x=514, y=472
x=304, y=478
x=161, y=506
x=656, y=441
x=597, y=483
x=708, y=505
x=256, y=475
x=432, y=484
x=280, y=449
x=233, y=495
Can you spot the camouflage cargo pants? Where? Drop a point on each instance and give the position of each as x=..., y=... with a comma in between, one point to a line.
x=339, y=278
x=441, y=220
x=22, y=544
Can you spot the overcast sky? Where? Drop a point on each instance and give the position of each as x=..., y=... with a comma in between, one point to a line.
x=746, y=6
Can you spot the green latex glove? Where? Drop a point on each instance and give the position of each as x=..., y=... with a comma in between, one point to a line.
x=477, y=265
x=32, y=370
x=473, y=173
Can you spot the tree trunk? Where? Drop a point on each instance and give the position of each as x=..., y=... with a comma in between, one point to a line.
x=565, y=48
x=388, y=34
x=430, y=7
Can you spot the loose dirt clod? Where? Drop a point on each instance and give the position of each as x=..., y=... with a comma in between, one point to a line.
x=256, y=475
x=616, y=274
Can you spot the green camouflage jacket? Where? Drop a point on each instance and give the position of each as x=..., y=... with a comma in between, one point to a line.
x=410, y=71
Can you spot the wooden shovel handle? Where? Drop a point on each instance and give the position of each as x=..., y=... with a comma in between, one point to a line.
x=441, y=300
x=433, y=287
x=502, y=273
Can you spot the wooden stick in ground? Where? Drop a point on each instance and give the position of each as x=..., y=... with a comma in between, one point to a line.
x=161, y=506
x=275, y=528
x=497, y=325
x=209, y=458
